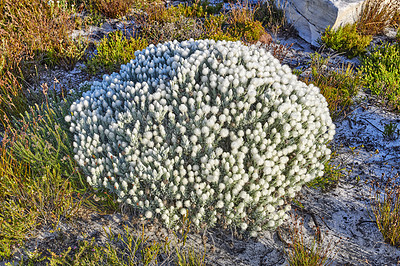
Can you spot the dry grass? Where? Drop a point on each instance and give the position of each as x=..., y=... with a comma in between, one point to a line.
x=377, y=15
x=158, y=24
x=113, y=8
x=32, y=33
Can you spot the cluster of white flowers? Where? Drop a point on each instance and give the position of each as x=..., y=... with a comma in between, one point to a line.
x=216, y=129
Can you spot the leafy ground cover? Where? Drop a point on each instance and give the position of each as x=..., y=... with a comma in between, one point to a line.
x=40, y=183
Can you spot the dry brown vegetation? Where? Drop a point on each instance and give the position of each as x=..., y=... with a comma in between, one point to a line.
x=377, y=15
x=33, y=33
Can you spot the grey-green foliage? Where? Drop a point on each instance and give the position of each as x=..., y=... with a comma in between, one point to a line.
x=220, y=130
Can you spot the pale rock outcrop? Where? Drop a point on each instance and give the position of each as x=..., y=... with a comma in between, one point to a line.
x=311, y=17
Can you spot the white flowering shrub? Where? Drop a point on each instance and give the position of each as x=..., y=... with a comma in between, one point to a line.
x=216, y=129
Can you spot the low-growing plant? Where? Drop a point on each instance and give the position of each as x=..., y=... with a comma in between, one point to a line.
x=13, y=100
x=238, y=24
x=183, y=29
x=332, y=175
x=241, y=23
x=346, y=39
x=113, y=8
x=66, y=56
x=391, y=132
x=132, y=248
x=385, y=205
x=199, y=9
x=35, y=28
x=158, y=12
x=158, y=24
x=215, y=28
x=38, y=174
x=338, y=86
x=377, y=15
x=307, y=252
x=38, y=140
x=381, y=72
x=112, y=51
x=272, y=15
x=398, y=35
x=39, y=179
x=16, y=216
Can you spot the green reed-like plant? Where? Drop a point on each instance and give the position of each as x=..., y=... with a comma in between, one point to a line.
x=385, y=205
x=307, y=252
x=13, y=101
x=200, y=9
x=215, y=28
x=391, y=132
x=67, y=56
x=32, y=33
x=38, y=175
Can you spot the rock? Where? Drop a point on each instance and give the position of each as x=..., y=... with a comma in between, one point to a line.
x=311, y=17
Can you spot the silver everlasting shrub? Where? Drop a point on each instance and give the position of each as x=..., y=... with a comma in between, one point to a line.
x=218, y=130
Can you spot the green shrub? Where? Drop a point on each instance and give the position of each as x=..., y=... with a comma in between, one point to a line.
x=346, y=40
x=200, y=9
x=249, y=31
x=114, y=51
x=381, y=69
x=215, y=28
